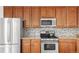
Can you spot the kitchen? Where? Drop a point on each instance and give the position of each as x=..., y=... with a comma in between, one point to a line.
x=47, y=29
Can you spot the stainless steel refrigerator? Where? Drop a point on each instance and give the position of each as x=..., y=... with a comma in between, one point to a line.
x=10, y=35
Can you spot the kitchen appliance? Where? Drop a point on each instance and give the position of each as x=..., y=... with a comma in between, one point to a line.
x=49, y=43
x=10, y=35
x=48, y=22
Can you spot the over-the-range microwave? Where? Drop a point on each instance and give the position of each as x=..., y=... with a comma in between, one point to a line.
x=48, y=22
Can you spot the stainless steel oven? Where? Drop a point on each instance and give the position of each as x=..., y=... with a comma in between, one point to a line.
x=49, y=45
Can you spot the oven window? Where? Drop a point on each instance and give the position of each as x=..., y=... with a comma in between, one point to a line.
x=46, y=22
x=49, y=46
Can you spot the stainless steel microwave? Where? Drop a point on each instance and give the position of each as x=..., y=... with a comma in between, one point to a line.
x=48, y=22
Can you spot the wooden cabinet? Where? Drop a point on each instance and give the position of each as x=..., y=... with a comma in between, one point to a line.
x=67, y=46
x=43, y=12
x=35, y=46
x=48, y=12
x=27, y=17
x=77, y=45
x=61, y=17
x=26, y=46
x=8, y=11
x=71, y=17
x=18, y=12
x=31, y=46
x=35, y=17
x=78, y=17
x=65, y=16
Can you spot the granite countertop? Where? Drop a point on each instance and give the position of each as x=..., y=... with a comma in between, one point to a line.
x=31, y=38
x=69, y=37
x=62, y=37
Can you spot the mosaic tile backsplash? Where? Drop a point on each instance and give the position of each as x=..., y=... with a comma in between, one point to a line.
x=35, y=32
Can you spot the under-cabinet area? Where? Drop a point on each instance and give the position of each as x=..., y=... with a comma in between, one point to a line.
x=40, y=29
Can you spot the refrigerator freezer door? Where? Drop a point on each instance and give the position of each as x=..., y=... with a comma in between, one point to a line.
x=2, y=48
x=9, y=49
x=15, y=30
x=2, y=41
x=7, y=30
x=5, y=49
x=15, y=49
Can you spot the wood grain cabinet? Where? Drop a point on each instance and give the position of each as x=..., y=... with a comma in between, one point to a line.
x=8, y=11
x=43, y=12
x=26, y=46
x=31, y=46
x=77, y=45
x=35, y=21
x=48, y=12
x=27, y=17
x=71, y=17
x=78, y=17
x=61, y=17
x=67, y=46
x=65, y=16
x=35, y=46
x=18, y=12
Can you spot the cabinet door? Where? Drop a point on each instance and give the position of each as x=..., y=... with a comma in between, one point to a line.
x=25, y=45
x=27, y=17
x=50, y=12
x=78, y=17
x=47, y=12
x=35, y=17
x=71, y=17
x=61, y=17
x=35, y=46
x=67, y=46
x=8, y=11
x=18, y=12
x=77, y=42
x=43, y=12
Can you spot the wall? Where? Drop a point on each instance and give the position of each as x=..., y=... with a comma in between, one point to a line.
x=68, y=32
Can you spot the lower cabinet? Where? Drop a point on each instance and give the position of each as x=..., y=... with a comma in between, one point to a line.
x=35, y=46
x=67, y=45
x=25, y=46
x=77, y=46
x=31, y=46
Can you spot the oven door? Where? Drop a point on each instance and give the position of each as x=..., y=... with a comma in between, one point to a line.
x=49, y=47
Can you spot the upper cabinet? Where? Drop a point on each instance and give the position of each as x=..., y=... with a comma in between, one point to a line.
x=27, y=16
x=43, y=12
x=48, y=12
x=78, y=17
x=71, y=17
x=61, y=17
x=66, y=16
x=35, y=17
x=18, y=12
x=8, y=11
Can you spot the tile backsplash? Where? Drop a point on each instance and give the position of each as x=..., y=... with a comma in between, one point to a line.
x=35, y=32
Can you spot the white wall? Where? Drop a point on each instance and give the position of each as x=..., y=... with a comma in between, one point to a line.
x=1, y=11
